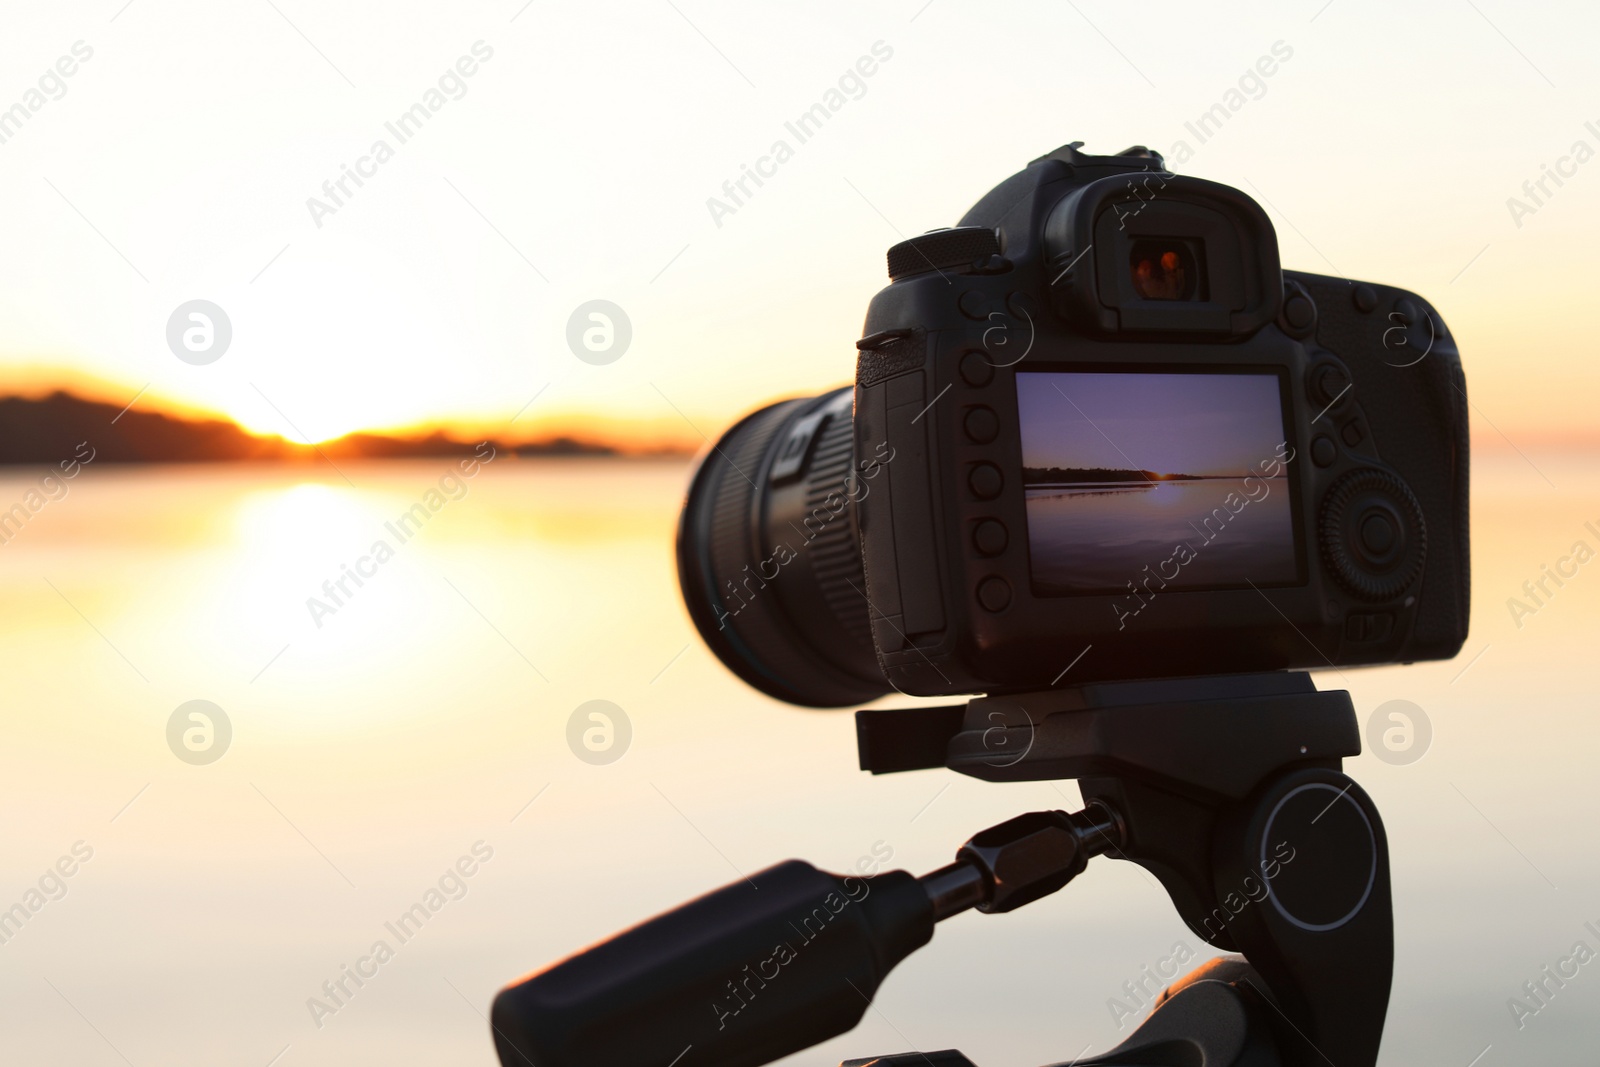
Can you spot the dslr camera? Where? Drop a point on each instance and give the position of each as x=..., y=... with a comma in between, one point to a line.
x=1096, y=434
x=1108, y=465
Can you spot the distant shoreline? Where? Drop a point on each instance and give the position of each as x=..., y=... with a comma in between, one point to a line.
x=1150, y=483
x=51, y=428
x=314, y=463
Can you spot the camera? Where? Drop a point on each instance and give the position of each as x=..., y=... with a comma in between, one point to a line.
x=1096, y=434
x=1109, y=465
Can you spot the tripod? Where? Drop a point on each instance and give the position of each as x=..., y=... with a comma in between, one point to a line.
x=1227, y=789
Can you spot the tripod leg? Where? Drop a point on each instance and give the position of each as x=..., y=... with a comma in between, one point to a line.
x=1211, y=1016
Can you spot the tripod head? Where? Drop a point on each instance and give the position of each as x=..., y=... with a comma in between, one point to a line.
x=1227, y=789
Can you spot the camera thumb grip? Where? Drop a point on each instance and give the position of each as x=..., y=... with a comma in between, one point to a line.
x=746, y=974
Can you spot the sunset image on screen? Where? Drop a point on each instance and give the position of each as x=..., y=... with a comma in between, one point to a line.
x=1181, y=473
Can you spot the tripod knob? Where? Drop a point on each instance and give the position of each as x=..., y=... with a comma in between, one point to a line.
x=1033, y=855
x=1335, y=865
x=1322, y=938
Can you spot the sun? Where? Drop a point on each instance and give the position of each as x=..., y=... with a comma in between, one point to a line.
x=302, y=422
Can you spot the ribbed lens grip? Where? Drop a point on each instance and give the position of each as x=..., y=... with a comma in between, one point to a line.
x=773, y=584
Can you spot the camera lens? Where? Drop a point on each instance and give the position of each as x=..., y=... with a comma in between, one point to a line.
x=769, y=555
x=1164, y=270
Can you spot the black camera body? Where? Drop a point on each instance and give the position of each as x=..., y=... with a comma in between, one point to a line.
x=1097, y=434
x=1051, y=378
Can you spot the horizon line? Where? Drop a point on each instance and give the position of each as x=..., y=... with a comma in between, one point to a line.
x=461, y=433
x=630, y=441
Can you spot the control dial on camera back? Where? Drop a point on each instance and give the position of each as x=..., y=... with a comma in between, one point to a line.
x=1372, y=534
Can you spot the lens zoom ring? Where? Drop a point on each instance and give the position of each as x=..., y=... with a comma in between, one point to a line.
x=832, y=540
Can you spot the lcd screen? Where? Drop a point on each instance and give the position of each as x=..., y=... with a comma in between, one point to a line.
x=1186, y=474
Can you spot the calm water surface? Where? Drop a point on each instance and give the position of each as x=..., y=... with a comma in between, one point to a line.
x=1099, y=538
x=428, y=715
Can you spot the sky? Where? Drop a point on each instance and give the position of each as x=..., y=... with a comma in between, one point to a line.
x=1202, y=424
x=580, y=158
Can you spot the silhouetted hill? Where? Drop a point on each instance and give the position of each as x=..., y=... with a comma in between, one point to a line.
x=51, y=429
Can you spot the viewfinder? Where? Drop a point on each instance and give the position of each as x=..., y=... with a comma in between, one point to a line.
x=1165, y=269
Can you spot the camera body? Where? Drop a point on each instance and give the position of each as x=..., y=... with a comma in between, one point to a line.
x=1110, y=438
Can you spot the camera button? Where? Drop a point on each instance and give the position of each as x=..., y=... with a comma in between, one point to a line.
x=989, y=537
x=982, y=425
x=1330, y=383
x=1298, y=315
x=994, y=594
x=1352, y=433
x=1378, y=535
x=1299, y=312
x=974, y=305
x=986, y=481
x=1365, y=298
x=1323, y=450
x=976, y=371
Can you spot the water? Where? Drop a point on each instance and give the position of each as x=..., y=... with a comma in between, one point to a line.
x=429, y=714
x=1208, y=533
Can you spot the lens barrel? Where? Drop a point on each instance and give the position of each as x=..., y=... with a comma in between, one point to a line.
x=769, y=554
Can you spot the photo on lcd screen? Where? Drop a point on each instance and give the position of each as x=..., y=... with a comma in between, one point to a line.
x=1180, y=473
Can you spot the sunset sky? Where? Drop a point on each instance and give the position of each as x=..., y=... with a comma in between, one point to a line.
x=1221, y=425
x=438, y=292
x=154, y=153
